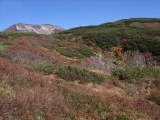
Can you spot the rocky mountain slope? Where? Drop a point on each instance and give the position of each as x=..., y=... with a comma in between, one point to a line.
x=40, y=29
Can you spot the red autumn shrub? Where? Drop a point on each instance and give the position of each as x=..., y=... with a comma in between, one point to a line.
x=69, y=45
x=30, y=55
x=48, y=45
x=30, y=103
x=23, y=42
x=17, y=73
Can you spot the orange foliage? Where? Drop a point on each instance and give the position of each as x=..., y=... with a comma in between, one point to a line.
x=119, y=52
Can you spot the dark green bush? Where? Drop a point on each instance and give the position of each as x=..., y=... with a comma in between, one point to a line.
x=47, y=69
x=70, y=52
x=13, y=35
x=109, y=35
x=71, y=73
x=128, y=75
x=122, y=117
x=151, y=72
x=85, y=50
x=80, y=52
x=60, y=36
x=141, y=20
x=3, y=46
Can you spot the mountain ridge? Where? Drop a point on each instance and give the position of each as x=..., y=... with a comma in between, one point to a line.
x=39, y=29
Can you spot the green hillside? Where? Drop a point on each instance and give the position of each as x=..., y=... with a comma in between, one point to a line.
x=122, y=33
x=70, y=76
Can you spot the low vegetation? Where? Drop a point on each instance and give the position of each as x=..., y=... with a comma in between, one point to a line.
x=3, y=46
x=151, y=72
x=80, y=52
x=13, y=35
x=109, y=35
x=47, y=69
x=76, y=74
x=129, y=75
x=70, y=73
x=30, y=95
x=70, y=52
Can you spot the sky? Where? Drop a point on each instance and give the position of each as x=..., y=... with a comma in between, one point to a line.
x=74, y=13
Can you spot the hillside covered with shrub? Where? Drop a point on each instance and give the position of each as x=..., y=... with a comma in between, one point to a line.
x=80, y=74
x=123, y=32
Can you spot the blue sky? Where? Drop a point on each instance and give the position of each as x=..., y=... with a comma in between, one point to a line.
x=74, y=13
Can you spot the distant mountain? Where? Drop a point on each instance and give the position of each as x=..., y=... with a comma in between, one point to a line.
x=40, y=29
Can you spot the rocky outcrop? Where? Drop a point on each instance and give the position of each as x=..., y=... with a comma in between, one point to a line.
x=106, y=64
x=97, y=63
x=135, y=58
x=40, y=29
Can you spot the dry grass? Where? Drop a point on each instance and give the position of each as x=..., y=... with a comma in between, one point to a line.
x=31, y=95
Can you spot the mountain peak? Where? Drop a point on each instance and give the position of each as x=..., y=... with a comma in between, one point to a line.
x=40, y=29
